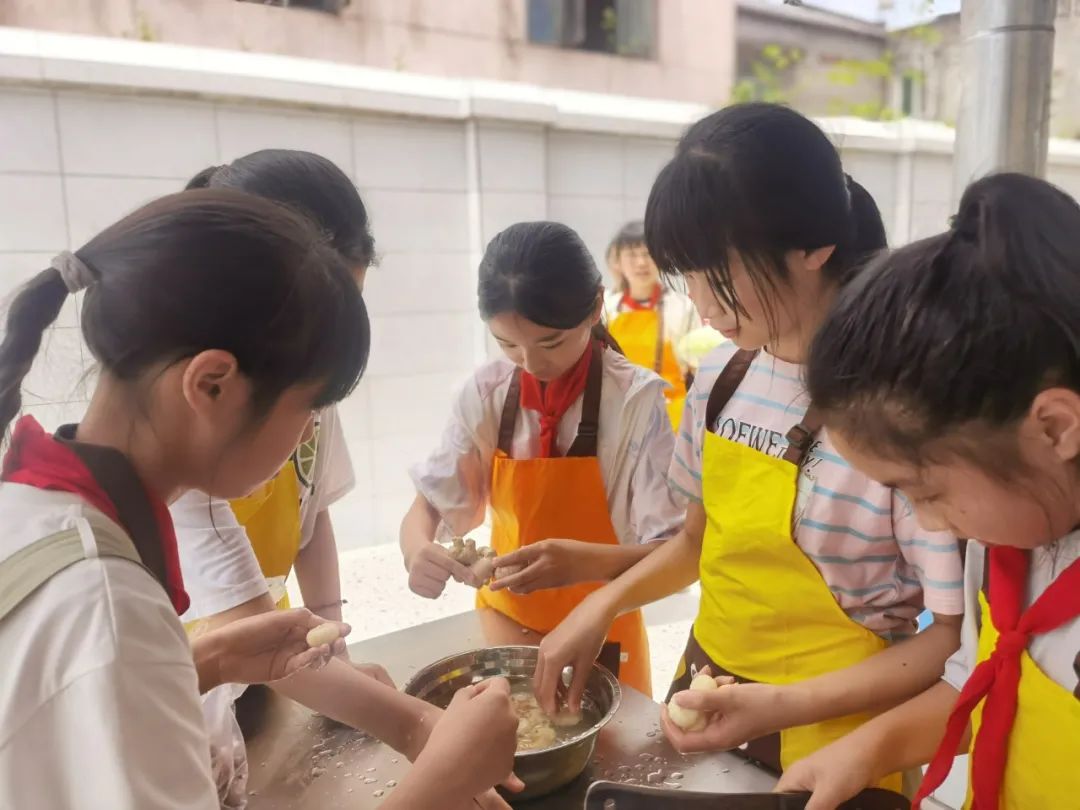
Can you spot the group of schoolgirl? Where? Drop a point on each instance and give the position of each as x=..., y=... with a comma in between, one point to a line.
x=813, y=472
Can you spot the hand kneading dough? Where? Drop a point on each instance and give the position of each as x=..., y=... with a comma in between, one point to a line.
x=692, y=719
x=323, y=634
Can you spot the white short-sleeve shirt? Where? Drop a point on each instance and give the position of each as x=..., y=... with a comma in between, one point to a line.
x=219, y=566
x=634, y=449
x=99, y=699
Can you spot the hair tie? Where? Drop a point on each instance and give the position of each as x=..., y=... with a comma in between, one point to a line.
x=76, y=274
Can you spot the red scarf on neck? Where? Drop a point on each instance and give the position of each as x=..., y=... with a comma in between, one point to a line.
x=629, y=302
x=997, y=679
x=37, y=459
x=553, y=400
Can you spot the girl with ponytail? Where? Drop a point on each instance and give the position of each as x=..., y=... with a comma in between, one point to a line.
x=563, y=439
x=811, y=574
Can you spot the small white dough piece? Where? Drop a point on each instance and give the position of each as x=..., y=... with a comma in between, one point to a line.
x=692, y=719
x=323, y=634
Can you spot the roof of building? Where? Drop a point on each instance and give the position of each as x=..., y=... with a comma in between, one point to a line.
x=810, y=16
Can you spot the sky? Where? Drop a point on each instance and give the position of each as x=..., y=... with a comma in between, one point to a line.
x=902, y=12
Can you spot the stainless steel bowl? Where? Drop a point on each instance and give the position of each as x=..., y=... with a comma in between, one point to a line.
x=547, y=769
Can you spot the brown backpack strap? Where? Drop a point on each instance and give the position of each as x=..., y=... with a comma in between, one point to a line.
x=510, y=412
x=658, y=362
x=726, y=384
x=801, y=436
x=585, y=445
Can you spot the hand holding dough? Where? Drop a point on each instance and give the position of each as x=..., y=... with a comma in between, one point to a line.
x=323, y=634
x=692, y=719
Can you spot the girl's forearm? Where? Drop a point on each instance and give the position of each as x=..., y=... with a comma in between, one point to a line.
x=878, y=683
x=666, y=570
x=317, y=571
x=908, y=736
x=610, y=562
x=419, y=526
x=342, y=693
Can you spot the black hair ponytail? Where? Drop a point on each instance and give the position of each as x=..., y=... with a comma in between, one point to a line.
x=757, y=180
x=963, y=328
x=32, y=311
x=205, y=269
x=307, y=183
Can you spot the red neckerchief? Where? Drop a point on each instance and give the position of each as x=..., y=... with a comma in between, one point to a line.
x=554, y=399
x=37, y=459
x=629, y=302
x=998, y=677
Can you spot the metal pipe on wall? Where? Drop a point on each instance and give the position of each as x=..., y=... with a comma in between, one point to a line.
x=1008, y=63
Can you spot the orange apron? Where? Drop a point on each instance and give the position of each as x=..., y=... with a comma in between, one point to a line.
x=640, y=334
x=541, y=498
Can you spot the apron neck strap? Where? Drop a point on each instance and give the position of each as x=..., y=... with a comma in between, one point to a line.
x=115, y=475
x=727, y=384
x=658, y=361
x=585, y=444
x=800, y=437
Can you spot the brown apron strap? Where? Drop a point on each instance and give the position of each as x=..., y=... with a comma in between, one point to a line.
x=658, y=362
x=118, y=478
x=726, y=384
x=585, y=445
x=588, y=430
x=510, y=413
x=801, y=436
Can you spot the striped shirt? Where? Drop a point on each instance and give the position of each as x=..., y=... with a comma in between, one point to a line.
x=863, y=537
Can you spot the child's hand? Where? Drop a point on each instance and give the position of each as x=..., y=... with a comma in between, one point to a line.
x=431, y=566
x=737, y=713
x=575, y=643
x=472, y=747
x=546, y=564
x=268, y=646
x=833, y=774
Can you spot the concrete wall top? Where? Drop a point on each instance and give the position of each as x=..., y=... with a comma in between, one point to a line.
x=44, y=58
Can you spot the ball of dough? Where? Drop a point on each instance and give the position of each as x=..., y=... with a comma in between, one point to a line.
x=323, y=634
x=692, y=719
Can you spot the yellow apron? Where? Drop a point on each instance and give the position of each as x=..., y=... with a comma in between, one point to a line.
x=271, y=517
x=640, y=334
x=1043, y=764
x=766, y=615
x=541, y=498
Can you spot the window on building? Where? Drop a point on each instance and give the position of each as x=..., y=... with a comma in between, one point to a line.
x=622, y=27
x=329, y=6
x=907, y=96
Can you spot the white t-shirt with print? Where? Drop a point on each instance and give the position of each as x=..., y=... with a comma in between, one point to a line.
x=634, y=450
x=1058, y=652
x=881, y=566
x=99, y=700
x=219, y=566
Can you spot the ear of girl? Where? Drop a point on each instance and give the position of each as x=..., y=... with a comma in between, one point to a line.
x=950, y=367
x=809, y=570
x=192, y=393
x=563, y=440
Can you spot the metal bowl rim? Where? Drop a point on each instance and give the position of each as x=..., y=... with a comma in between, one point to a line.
x=592, y=731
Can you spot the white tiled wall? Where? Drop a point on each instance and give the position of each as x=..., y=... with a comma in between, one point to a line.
x=71, y=162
